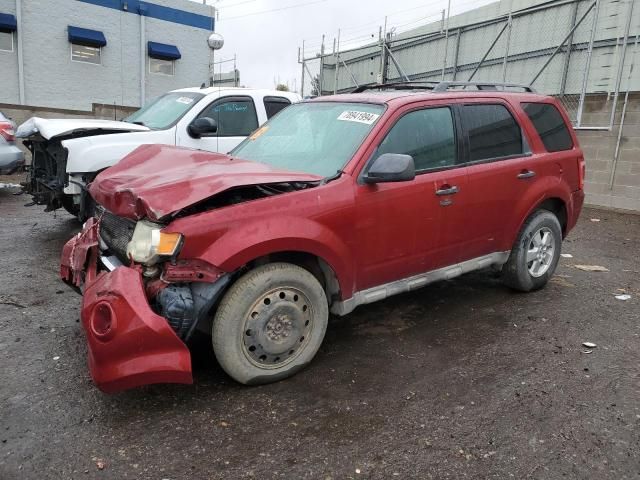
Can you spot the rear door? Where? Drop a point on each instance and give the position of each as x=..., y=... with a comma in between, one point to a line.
x=236, y=117
x=407, y=228
x=501, y=169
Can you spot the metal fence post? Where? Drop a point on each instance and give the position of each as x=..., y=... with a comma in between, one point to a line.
x=585, y=77
x=337, y=59
x=457, y=53
x=301, y=61
x=621, y=64
x=506, y=48
x=446, y=41
x=321, y=74
x=567, y=58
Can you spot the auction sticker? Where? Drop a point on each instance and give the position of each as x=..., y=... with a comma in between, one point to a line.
x=360, y=117
x=185, y=100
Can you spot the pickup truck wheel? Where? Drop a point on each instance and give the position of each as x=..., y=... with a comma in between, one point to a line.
x=535, y=254
x=69, y=205
x=270, y=323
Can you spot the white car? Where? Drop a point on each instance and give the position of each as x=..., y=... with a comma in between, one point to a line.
x=67, y=154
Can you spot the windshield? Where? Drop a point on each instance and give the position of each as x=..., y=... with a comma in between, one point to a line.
x=316, y=137
x=163, y=112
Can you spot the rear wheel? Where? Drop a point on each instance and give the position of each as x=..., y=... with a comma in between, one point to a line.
x=270, y=323
x=535, y=254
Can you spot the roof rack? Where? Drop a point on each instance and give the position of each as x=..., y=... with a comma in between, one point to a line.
x=445, y=86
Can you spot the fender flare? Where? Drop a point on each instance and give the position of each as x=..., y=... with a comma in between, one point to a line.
x=252, y=240
x=527, y=204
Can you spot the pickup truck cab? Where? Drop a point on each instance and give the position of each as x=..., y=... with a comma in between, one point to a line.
x=68, y=153
x=336, y=202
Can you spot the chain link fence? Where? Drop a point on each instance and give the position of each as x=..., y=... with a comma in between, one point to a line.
x=577, y=50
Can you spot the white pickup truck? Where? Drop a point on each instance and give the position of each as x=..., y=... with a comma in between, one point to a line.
x=67, y=154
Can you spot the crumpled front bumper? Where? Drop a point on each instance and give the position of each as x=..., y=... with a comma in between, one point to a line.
x=129, y=344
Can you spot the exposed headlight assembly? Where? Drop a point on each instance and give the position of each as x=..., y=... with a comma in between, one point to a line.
x=149, y=244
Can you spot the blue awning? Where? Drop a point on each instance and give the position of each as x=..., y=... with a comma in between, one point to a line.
x=8, y=23
x=163, y=51
x=84, y=36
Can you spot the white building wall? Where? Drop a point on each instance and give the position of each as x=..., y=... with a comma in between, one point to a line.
x=9, y=88
x=53, y=80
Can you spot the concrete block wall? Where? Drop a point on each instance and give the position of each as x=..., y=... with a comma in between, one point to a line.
x=599, y=150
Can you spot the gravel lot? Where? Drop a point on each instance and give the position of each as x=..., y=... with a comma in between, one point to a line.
x=463, y=379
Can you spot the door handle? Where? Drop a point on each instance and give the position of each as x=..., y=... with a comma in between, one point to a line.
x=523, y=175
x=447, y=190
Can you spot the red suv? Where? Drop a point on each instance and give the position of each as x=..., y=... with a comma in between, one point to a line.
x=334, y=203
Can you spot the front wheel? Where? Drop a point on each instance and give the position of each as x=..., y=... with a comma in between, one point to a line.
x=270, y=323
x=535, y=254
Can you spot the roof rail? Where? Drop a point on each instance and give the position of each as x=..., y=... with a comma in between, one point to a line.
x=436, y=86
x=492, y=86
x=426, y=85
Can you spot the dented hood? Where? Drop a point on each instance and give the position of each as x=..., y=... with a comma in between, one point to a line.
x=50, y=128
x=154, y=181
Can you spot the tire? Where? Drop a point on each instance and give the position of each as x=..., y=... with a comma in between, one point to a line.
x=535, y=254
x=270, y=324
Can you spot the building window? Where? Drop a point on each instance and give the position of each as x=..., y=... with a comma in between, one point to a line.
x=161, y=66
x=86, y=54
x=6, y=41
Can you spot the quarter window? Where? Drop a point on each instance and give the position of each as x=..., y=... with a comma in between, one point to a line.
x=427, y=135
x=85, y=54
x=236, y=117
x=492, y=131
x=274, y=104
x=161, y=66
x=550, y=125
x=6, y=41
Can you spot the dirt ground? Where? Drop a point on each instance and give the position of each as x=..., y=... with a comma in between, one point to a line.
x=462, y=379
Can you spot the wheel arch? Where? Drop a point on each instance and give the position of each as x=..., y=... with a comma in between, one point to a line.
x=555, y=203
x=558, y=207
x=314, y=264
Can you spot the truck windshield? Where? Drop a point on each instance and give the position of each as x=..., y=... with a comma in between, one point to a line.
x=316, y=137
x=163, y=112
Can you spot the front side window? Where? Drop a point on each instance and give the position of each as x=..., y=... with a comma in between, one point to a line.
x=274, y=104
x=161, y=66
x=492, y=131
x=236, y=117
x=319, y=138
x=6, y=41
x=165, y=111
x=85, y=54
x=427, y=135
x=550, y=126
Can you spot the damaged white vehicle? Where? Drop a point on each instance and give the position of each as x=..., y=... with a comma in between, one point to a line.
x=67, y=154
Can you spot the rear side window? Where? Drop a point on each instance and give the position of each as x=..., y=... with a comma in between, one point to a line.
x=493, y=132
x=550, y=126
x=235, y=116
x=274, y=104
x=427, y=135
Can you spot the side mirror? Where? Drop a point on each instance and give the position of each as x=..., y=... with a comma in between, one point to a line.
x=391, y=167
x=202, y=126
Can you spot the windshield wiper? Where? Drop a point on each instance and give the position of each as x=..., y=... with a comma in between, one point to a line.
x=138, y=122
x=331, y=178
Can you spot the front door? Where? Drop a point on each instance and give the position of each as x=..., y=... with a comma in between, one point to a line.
x=236, y=118
x=411, y=227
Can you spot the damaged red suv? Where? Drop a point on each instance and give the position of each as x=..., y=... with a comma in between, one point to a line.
x=334, y=203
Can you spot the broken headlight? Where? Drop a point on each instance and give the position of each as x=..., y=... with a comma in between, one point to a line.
x=148, y=243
